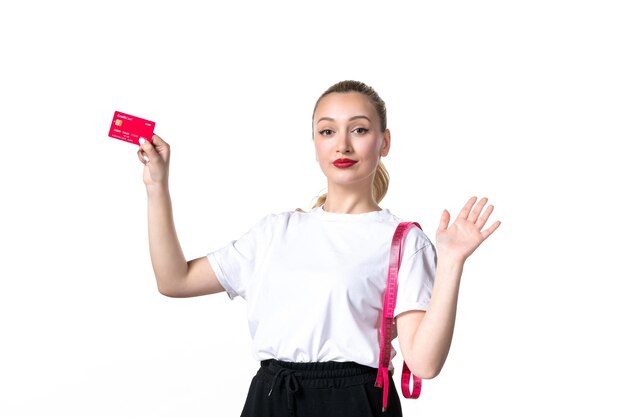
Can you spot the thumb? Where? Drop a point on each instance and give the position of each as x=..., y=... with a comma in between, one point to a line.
x=445, y=221
x=157, y=140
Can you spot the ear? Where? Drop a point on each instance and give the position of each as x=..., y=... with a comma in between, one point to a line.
x=384, y=149
x=317, y=158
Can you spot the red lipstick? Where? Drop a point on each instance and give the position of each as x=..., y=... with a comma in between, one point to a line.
x=344, y=163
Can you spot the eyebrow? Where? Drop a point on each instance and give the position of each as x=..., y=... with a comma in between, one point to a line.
x=352, y=118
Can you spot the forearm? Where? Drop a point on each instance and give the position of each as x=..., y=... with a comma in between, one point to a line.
x=427, y=336
x=168, y=260
x=432, y=340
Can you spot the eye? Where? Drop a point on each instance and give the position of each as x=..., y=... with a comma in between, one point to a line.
x=325, y=132
x=361, y=130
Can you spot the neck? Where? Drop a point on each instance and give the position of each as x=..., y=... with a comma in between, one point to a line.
x=345, y=200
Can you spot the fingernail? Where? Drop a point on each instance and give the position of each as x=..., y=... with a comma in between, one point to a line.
x=141, y=141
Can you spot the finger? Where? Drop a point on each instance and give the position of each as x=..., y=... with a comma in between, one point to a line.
x=485, y=216
x=149, y=150
x=143, y=158
x=491, y=229
x=466, y=208
x=161, y=147
x=473, y=216
x=445, y=221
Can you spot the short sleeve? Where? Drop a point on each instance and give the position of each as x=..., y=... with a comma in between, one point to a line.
x=237, y=263
x=416, y=276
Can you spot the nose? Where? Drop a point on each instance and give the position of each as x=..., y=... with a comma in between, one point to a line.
x=343, y=143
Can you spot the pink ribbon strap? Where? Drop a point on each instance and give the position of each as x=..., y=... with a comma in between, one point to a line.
x=386, y=326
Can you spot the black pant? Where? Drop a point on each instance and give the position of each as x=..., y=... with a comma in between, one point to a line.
x=323, y=389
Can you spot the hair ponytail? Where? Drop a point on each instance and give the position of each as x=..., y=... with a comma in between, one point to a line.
x=381, y=182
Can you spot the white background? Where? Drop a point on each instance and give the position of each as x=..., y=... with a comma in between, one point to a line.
x=523, y=102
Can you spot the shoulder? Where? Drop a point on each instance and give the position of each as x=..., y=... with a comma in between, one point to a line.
x=280, y=220
x=415, y=237
x=285, y=216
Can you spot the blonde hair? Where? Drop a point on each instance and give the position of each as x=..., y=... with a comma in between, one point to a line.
x=381, y=177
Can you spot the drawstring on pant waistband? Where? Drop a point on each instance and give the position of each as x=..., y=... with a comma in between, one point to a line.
x=290, y=378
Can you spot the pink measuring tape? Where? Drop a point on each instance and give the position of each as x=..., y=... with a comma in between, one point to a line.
x=386, y=326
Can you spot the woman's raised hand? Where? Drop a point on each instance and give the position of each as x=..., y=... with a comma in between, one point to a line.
x=458, y=241
x=155, y=156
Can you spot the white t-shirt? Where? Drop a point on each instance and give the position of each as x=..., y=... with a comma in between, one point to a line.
x=314, y=282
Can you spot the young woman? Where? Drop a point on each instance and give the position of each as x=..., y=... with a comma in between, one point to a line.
x=314, y=281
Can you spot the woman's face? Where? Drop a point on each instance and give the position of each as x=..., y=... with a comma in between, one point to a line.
x=348, y=140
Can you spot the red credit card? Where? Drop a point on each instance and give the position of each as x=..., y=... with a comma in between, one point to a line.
x=130, y=128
